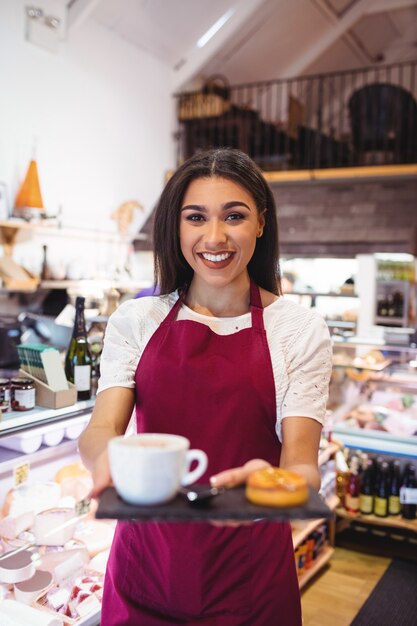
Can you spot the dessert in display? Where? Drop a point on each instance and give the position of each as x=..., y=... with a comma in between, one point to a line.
x=52, y=558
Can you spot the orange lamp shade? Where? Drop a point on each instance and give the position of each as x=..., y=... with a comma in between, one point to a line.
x=30, y=192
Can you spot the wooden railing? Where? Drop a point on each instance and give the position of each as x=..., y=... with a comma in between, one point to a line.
x=350, y=118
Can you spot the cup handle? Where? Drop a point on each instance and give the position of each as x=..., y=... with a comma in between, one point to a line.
x=197, y=472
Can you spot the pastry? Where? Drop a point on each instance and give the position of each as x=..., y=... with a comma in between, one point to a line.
x=272, y=486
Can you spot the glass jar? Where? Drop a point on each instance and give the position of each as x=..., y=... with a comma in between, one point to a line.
x=22, y=394
x=4, y=394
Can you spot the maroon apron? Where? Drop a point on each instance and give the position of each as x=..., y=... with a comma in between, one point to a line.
x=219, y=391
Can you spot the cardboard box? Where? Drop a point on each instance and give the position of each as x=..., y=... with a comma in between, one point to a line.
x=52, y=399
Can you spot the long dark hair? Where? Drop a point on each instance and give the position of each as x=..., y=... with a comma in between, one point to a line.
x=171, y=269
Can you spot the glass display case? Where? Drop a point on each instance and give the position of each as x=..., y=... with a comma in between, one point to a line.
x=373, y=396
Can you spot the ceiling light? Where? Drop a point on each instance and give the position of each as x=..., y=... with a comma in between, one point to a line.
x=215, y=28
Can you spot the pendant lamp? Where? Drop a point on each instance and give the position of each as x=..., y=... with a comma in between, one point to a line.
x=29, y=203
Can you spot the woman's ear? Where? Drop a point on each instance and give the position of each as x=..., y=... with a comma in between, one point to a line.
x=261, y=223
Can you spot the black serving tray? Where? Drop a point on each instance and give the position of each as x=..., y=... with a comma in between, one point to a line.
x=229, y=505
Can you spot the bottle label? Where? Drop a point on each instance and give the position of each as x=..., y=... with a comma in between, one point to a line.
x=408, y=495
x=351, y=503
x=366, y=503
x=394, y=506
x=82, y=377
x=381, y=507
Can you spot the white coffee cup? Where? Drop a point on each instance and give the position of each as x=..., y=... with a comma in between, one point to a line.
x=150, y=468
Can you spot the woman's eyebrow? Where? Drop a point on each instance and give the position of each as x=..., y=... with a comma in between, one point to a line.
x=225, y=206
x=194, y=207
x=233, y=203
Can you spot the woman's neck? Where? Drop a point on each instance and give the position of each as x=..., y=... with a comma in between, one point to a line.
x=229, y=301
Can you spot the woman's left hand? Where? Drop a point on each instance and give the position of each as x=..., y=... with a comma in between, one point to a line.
x=232, y=478
x=237, y=475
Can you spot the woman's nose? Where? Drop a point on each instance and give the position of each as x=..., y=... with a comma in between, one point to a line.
x=216, y=232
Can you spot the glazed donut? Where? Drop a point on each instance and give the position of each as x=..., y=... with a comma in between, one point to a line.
x=272, y=486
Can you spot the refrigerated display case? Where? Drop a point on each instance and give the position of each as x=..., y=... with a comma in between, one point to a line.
x=373, y=396
x=36, y=447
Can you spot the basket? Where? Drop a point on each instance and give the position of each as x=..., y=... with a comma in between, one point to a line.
x=212, y=101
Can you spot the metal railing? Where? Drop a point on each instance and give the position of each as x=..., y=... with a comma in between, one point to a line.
x=341, y=119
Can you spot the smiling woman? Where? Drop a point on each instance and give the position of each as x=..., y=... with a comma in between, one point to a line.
x=220, y=358
x=219, y=226
x=227, y=182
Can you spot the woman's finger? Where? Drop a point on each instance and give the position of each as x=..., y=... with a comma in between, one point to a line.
x=237, y=475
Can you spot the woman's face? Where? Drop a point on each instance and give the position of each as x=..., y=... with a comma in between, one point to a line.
x=219, y=224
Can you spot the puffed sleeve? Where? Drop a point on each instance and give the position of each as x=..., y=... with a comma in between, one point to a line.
x=127, y=334
x=121, y=349
x=309, y=365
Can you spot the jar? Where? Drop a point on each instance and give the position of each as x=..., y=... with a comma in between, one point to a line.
x=22, y=394
x=4, y=394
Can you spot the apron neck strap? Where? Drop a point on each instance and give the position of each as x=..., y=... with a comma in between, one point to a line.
x=256, y=307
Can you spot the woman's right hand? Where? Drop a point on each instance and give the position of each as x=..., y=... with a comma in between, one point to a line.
x=101, y=474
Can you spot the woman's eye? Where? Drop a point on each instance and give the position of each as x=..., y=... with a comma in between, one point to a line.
x=196, y=217
x=234, y=216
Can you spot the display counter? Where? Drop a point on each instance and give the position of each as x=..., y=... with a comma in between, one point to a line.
x=373, y=397
x=33, y=485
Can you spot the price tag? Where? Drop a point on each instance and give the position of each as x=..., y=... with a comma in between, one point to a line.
x=21, y=473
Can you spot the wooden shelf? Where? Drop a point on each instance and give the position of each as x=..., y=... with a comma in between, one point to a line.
x=304, y=529
x=394, y=522
x=339, y=173
x=9, y=228
x=85, y=284
x=103, y=283
x=318, y=564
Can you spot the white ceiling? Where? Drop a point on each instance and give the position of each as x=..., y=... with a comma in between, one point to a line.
x=264, y=39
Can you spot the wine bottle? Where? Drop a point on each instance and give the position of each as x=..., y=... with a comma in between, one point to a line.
x=394, y=507
x=366, y=494
x=408, y=494
x=381, y=494
x=78, y=359
x=353, y=487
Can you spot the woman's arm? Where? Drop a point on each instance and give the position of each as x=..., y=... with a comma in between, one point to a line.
x=299, y=453
x=300, y=448
x=111, y=416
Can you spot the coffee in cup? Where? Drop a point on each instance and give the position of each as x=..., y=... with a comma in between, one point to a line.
x=150, y=468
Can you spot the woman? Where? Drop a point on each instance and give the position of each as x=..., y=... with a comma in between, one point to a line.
x=220, y=358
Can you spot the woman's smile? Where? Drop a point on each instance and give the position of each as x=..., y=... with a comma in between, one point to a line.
x=216, y=260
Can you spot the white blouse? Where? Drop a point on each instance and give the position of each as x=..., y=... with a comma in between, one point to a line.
x=298, y=340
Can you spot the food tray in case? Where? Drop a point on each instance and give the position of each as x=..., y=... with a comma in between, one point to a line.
x=228, y=505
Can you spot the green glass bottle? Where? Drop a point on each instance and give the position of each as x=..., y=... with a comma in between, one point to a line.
x=78, y=359
x=366, y=494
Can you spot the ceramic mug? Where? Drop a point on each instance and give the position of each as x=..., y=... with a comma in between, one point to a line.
x=150, y=468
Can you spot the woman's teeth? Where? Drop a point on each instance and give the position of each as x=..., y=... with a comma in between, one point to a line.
x=216, y=257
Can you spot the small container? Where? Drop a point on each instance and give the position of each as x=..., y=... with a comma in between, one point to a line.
x=16, y=567
x=4, y=394
x=22, y=394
